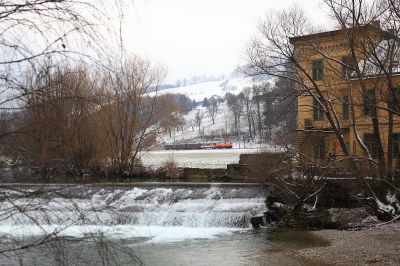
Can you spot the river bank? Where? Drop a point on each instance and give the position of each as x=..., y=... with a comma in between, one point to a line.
x=378, y=245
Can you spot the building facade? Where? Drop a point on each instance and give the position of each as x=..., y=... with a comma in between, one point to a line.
x=350, y=81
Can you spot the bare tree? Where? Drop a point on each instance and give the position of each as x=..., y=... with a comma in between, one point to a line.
x=374, y=62
x=198, y=119
x=369, y=60
x=235, y=105
x=272, y=53
x=394, y=7
x=33, y=31
x=57, y=126
x=213, y=108
x=258, y=98
x=173, y=122
x=59, y=110
x=248, y=108
x=127, y=113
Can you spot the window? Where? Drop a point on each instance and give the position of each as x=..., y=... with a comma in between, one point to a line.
x=396, y=145
x=394, y=100
x=345, y=107
x=372, y=144
x=347, y=146
x=318, y=111
x=369, y=103
x=346, y=67
x=317, y=69
x=319, y=148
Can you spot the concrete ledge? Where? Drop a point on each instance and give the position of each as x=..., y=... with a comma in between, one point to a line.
x=137, y=184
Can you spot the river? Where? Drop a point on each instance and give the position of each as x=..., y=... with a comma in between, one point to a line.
x=148, y=224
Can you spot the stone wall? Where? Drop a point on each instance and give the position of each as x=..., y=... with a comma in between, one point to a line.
x=256, y=167
x=203, y=175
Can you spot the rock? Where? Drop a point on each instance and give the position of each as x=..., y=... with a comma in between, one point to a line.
x=275, y=212
x=277, y=205
x=350, y=218
x=271, y=216
x=257, y=221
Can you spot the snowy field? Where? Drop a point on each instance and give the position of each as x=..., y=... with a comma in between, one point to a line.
x=195, y=158
x=207, y=89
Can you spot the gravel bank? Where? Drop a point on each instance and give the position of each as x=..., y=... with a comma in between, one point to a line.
x=375, y=245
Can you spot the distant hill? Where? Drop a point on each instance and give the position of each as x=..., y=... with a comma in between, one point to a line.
x=199, y=91
x=161, y=87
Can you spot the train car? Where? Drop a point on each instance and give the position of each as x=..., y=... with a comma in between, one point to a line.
x=198, y=146
x=223, y=146
x=208, y=146
x=185, y=146
x=192, y=146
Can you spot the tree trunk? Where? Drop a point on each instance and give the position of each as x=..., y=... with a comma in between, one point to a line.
x=381, y=154
x=259, y=120
x=390, y=146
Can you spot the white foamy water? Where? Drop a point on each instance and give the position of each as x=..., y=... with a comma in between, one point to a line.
x=154, y=214
x=151, y=234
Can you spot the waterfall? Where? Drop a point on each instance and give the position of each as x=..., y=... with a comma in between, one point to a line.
x=180, y=206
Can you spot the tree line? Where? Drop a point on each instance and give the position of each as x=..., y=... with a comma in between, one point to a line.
x=80, y=118
x=262, y=112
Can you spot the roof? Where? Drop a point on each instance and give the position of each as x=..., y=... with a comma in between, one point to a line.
x=327, y=34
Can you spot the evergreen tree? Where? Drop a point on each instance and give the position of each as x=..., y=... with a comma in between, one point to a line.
x=205, y=102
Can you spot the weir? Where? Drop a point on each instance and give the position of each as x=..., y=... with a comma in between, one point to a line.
x=143, y=206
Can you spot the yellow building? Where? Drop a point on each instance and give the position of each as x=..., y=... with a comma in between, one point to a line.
x=339, y=74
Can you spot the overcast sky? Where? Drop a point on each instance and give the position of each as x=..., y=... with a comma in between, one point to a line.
x=195, y=37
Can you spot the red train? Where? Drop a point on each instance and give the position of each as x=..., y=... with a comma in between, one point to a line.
x=198, y=146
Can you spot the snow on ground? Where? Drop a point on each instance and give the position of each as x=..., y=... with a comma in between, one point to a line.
x=207, y=127
x=223, y=124
x=199, y=91
x=191, y=133
x=217, y=159
x=194, y=158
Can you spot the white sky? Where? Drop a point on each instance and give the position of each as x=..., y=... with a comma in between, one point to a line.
x=195, y=37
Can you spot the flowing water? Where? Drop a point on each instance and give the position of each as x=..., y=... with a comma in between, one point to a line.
x=150, y=224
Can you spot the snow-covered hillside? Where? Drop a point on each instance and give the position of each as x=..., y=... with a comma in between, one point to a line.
x=223, y=123
x=209, y=131
x=199, y=91
x=191, y=131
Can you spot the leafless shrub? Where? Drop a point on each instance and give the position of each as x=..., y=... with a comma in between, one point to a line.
x=170, y=169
